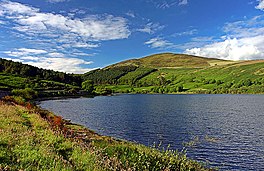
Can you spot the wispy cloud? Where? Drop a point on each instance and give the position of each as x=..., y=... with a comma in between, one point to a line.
x=195, y=42
x=131, y=14
x=260, y=6
x=242, y=40
x=58, y=35
x=186, y=33
x=159, y=43
x=183, y=2
x=151, y=28
x=245, y=28
x=56, y=1
x=91, y=28
x=163, y=4
x=24, y=52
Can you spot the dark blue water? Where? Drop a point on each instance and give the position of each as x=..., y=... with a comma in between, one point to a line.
x=226, y=131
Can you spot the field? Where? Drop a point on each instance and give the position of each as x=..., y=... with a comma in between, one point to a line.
x=223, y=77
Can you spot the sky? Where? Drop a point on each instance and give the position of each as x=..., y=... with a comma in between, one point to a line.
x=76, y=36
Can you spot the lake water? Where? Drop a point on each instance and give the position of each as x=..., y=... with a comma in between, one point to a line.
x=226, y=131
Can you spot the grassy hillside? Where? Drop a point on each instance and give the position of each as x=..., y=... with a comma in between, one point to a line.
x=160, y=73
x=33, y=139
x=176, y=73
x=170, y=60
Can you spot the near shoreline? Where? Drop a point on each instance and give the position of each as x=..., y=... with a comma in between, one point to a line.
x=108, y=153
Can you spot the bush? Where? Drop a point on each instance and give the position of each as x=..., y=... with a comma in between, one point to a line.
x=88, y=86
x=26, y=93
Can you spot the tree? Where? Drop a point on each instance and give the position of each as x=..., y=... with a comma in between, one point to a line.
x=88, y=86
x=26, y=93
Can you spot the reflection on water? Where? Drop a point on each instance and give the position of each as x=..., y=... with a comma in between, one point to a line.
x=223, y=130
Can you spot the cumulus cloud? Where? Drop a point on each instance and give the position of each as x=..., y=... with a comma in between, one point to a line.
x=48, y=60
x=260, y=6
x=232, y=49
x=69, y=65
x=159, y=43
x=151, y=28
x=243, y=40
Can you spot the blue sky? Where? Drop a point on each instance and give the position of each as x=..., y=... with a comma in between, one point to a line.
x=76, y=36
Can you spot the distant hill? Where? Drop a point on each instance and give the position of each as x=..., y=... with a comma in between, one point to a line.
x=159, y=73
x=170, y=60
x=177, y=73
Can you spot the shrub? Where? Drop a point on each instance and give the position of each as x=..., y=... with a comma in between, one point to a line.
x=26, y=93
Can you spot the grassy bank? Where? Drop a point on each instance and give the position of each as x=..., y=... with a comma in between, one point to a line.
x=34, y=139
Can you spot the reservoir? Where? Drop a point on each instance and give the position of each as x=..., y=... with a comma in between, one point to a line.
x=224, y=131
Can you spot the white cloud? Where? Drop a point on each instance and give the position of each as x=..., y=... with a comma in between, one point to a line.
x=245, y=28
x=131, y=14
x=49, y=60
x=186, y=33
x=183, y=2
x=151, y=28
x=202, y=39
x=243, y=40
x=15, y=60
x=69, y=65
x=260, y=5
x=31, y=22
x=57, y=40
x=56, y=55
x=163, y=4
x=232, y=49
x=159, y=43
x=24, y=52
x=55, y=1
x=16, y=8
x=83, y=54
x=31, y=58
x=2, y=22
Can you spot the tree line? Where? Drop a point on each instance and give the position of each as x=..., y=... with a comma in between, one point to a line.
x=25, y=70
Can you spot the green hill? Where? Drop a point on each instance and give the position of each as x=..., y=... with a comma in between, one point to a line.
x=179, y=73
x=170, y=60
x=159, y=73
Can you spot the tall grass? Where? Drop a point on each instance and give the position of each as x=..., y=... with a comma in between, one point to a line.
x=34, y=139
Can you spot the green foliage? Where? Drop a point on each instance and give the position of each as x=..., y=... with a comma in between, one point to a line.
x=240, y=77
x=24, y=70
x=88, y=86
x=108, y=75
x=132, y=77
x=102, y=90
x=26, y=93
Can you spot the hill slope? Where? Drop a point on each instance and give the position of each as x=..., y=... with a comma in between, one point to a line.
x=172, y=60
x=174, y=73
